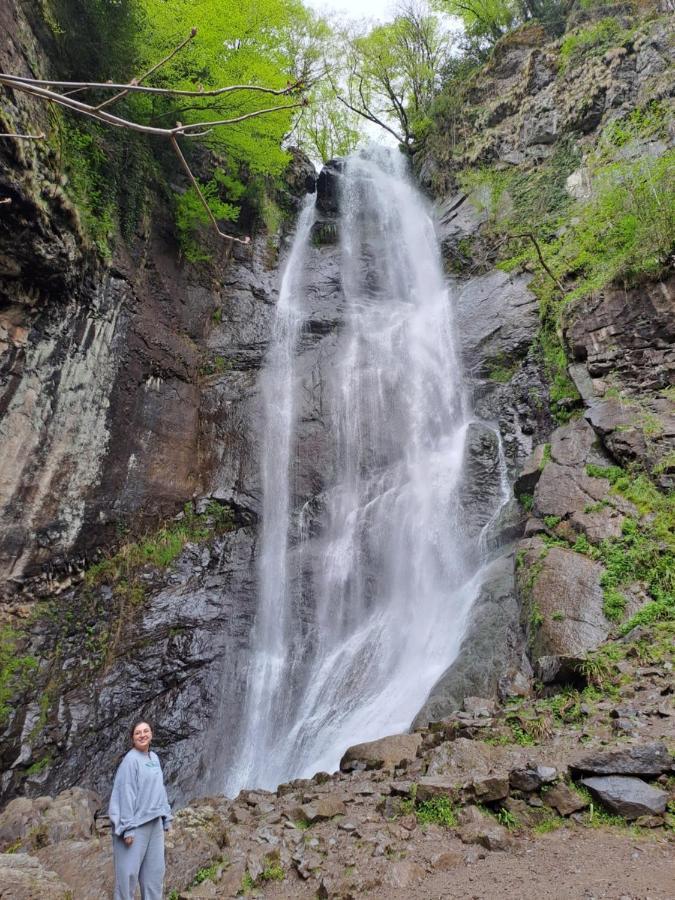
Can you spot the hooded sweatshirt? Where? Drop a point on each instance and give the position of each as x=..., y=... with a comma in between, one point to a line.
x=138, y=793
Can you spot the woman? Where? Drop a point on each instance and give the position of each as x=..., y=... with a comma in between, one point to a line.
x=140, y=814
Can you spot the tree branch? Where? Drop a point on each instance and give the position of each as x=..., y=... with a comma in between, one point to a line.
x=204, y=201
x=26, y=137
x=530, y=235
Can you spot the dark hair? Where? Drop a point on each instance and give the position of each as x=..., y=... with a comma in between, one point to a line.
x=138, y=722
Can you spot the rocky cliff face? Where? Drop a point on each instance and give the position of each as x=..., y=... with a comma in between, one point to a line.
x=117, y=373
x=531, y=123
x=127, y=390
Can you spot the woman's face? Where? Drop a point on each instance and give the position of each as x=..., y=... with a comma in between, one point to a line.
x=142, y=737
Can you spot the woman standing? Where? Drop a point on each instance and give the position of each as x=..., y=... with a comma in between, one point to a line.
x=140, y=814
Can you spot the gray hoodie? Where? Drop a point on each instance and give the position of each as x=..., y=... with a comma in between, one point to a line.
x=138, y=793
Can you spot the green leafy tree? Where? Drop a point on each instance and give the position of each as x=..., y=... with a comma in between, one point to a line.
x=267, y=43
x=393, y=71
x=326, y=128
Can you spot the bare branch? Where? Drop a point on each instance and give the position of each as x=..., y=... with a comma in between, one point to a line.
x=158, y=65
x=5, y=201
x=528, y=234
x=77, y=86
x=195, y=185
x=26, y=137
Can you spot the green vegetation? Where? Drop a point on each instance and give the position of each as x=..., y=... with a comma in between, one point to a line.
x=157, y=550
x=644, y=551
x=591, y=40
x=527, y=502
x=273, y=872
x=437, y=811
x=551, y=521
x=16, y=669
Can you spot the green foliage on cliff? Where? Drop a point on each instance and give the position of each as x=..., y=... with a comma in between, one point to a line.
x=591, y=40
x=157, y=550
x=643, y=553
x=15, y=668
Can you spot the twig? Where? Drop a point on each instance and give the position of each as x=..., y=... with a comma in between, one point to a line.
x=6, y=200
x=528, y=234
x=195, y=185
x=158, y=65
x=41, y=89
x=26, y=137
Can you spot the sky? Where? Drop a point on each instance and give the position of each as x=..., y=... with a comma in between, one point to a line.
x=356, y=9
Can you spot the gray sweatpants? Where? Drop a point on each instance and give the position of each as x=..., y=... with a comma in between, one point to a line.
x=141, y=864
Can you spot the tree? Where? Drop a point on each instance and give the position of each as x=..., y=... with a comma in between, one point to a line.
x=394, y=70
x=326, y=128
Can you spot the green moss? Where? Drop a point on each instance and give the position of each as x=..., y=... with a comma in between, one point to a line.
x=546, y=458
x=273, y=872
x=502, y=373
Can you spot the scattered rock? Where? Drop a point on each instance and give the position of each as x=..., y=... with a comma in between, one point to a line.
x=627, y=797
x=22, y=877
x=319, y=810
x=564, y=800
x=531, y=778
x=476, y=828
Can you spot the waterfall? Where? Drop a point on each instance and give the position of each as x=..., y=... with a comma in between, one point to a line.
x=365, y=586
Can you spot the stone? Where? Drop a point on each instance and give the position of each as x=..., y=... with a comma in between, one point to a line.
x=562, y=599
x=638, y=759
x=31, y=823
x=320, y=810
x=488, y=788
x=447, y=859
x=626, y=796
x=328, y=186
x=430, y=786
x=530, y=472
x=531, y=778
x=476, y=828
x=387, y=753
x=480, y=706
x=497, y=320
x=564, y=800
x=403, y=873
x=23, y=877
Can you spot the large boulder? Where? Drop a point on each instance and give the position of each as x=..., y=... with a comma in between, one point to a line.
x=627, y=797
x=23, y=877
x=32, y=823
x=562, y=600
x=385, y=753
x=642, y=759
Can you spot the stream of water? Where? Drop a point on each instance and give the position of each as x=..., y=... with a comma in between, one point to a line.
x=364, y=592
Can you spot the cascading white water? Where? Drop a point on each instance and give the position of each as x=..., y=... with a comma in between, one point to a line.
x=359, y=614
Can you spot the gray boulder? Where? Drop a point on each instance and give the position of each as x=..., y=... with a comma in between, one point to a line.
x=627, y=797
x=645, y=759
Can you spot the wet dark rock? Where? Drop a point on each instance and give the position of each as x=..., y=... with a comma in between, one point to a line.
x=492, y=650
x=641, y=759
x=328, y=186
x=627, y=797
x=497, y=319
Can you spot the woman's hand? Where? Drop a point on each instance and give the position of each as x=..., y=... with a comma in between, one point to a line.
x=128, y=841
